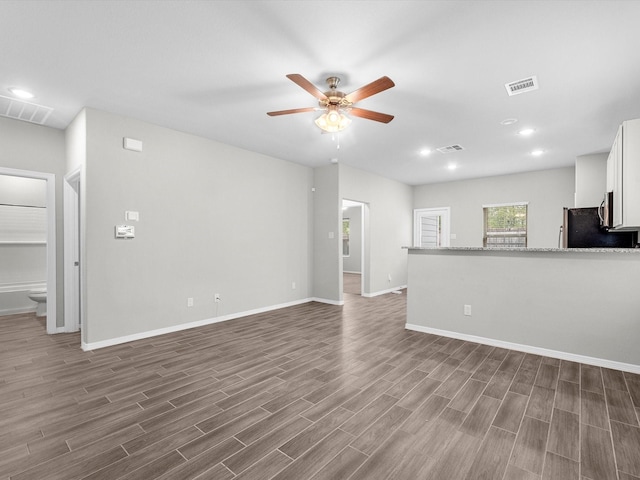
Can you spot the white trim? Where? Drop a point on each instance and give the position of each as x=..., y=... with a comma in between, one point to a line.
x=444, y=212
x=186, y=326
x=510, y=204
x=17, y=310
x=21, y=286
x=328, y=301
x=383, y=292
x=352, y=273
x=51, y=238
x=598, y=362
x=364, y=267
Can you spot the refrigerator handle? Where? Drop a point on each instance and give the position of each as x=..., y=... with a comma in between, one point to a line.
x=560, y=237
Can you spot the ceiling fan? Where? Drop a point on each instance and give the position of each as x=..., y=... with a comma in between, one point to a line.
x=335, y=103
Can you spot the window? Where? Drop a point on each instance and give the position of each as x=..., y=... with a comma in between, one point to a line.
x=345, y=237
x=431, y=227
x=505, y=225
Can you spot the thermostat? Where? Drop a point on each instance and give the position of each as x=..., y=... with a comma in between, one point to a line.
x=125, y=231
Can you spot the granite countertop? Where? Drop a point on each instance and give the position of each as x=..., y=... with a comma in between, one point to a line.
x=527, y=250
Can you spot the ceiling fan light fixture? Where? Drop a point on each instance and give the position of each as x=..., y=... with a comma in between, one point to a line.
x=333, y=121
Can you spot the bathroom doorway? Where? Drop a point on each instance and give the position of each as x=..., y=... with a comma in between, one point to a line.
x=50, y=238
x=354, y=269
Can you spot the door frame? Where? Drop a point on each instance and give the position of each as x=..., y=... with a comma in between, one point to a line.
x=364, y=267
x=444, y=213
x=72, y=246
x=50, y=178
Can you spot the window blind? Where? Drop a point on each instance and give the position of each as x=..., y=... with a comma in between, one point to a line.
x=505, y=226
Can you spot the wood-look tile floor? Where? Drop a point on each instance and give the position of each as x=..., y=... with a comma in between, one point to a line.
x=308, y=392
x=352, y=283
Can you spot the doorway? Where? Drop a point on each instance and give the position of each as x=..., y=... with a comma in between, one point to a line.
x=354, y=269
x=431, y=227
x=50, y=178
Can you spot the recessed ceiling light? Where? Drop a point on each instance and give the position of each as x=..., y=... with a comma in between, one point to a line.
x=424, y=152
x=537, y=153
x=509, y=121
x=526, y=131
x=21, y=93
x=452, y=166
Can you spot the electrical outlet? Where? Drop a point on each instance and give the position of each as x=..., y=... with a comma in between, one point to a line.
x=293, y=285
x=389, y=278
x=190, y=302
x=216, y=297
x=467, y=310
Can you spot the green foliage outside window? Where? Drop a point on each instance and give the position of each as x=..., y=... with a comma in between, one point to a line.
x=505, y=226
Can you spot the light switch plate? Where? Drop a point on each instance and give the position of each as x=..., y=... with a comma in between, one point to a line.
x=131, y=216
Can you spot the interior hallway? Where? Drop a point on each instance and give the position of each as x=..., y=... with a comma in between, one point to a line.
x=313, y=391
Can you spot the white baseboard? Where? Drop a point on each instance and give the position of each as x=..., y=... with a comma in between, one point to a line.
x=17, y=310
x=598, y=362
x=383, y=292
x=185, y=326
x=326, y=300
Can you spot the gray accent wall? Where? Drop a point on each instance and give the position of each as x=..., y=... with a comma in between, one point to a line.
x=546, y=191
x=213, y=219
x=591, y=179
x=25, y=146
x=567, y=302
x=327, y=218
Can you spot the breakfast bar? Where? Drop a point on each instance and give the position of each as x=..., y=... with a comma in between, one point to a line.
x=574, y=304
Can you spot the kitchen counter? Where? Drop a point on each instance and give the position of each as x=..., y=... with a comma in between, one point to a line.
x=526, y=250
x=579, y=304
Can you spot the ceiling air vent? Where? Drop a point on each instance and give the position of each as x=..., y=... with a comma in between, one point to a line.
x=20, y=110
x=522, y=86
x=450, y=149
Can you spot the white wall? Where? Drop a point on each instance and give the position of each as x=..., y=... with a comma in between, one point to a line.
x=213, y=219
x=388, y=226
x=547, y=191
x=23, y=191
x=591, y=179
x=25, y=146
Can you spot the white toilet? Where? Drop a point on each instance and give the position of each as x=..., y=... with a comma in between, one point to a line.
x=40, y=297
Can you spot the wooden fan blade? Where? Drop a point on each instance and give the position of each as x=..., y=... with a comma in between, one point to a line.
x=380, y=85
x=307, y=85
x=370, y=115
x=295, y=110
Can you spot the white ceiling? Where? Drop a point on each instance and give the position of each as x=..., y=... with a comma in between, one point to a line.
x=214, y=68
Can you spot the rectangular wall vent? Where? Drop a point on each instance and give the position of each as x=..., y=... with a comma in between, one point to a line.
x=522, y=86
x=21, y=110
x=450, y=149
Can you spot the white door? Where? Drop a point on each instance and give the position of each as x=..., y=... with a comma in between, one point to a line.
x=72, y=321
x=431, y=227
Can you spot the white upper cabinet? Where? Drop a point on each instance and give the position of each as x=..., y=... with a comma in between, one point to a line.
x=623, y=176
